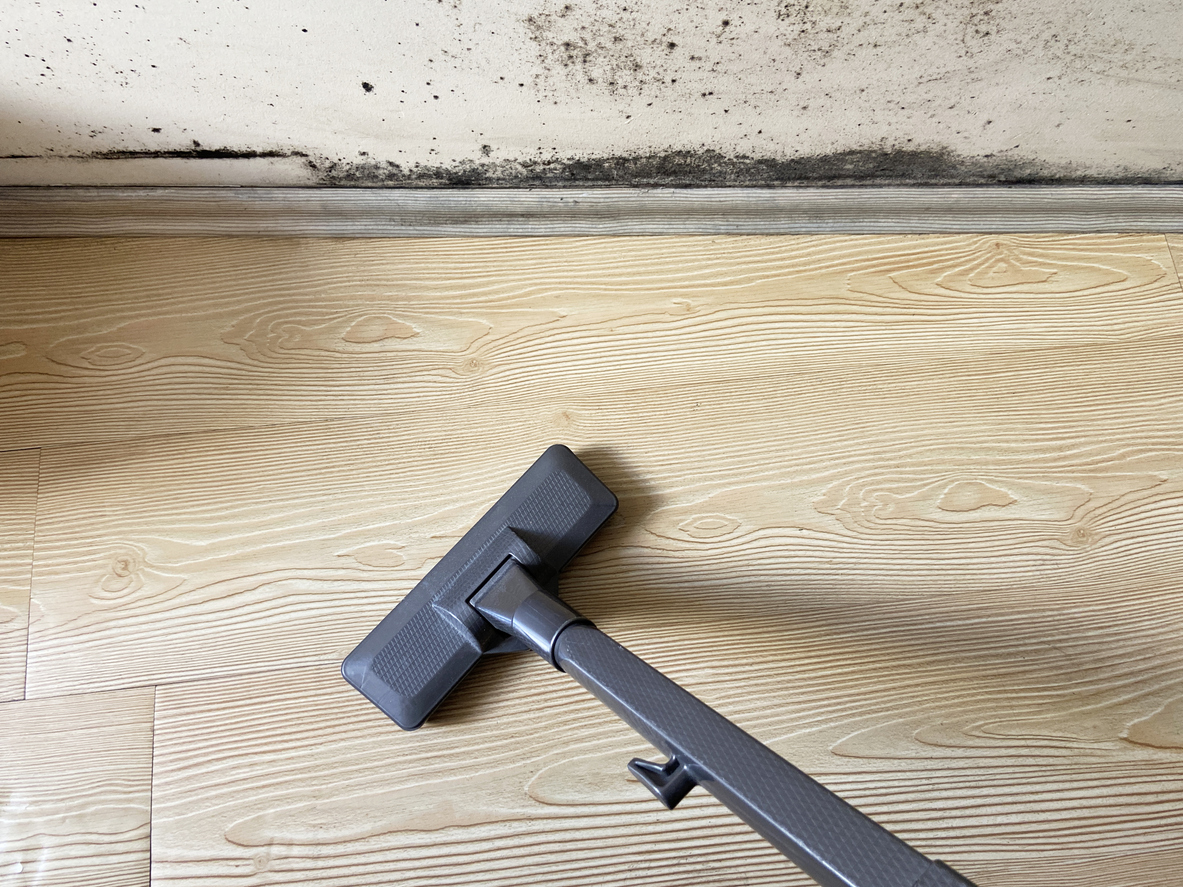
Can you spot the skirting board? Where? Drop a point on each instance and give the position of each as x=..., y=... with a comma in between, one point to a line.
x=369, y=212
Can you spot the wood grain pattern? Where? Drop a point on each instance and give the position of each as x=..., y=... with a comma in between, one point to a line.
x=75, y=790
x=107, y=339
x=551, y=212
x=521, y=778
x=908, y=509
x=18, y=511
x=889, y=423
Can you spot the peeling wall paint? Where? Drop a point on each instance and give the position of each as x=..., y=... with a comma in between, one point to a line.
x=591, y=92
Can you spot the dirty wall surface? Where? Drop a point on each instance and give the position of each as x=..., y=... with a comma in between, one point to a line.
x=591, y=92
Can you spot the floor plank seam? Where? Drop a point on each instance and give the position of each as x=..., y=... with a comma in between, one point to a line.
x=152, y=779
x=32, y=563
x=169, y=436
x=1172, y=252
x=156, y=686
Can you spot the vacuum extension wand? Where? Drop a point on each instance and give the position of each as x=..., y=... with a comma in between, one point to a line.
x=495, y=592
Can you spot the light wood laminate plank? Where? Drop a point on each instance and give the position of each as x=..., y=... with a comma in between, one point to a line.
x=75, y=789
x=521, y=777
x=115, y=338
x=174, y=559
x=908, y=509
x=18, y=511
x=878, y=437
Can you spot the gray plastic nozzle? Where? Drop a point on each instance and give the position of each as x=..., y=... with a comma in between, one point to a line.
x=517, y=605
x=426, y=645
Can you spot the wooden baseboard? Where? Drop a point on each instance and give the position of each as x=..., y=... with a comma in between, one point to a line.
x=367, y=212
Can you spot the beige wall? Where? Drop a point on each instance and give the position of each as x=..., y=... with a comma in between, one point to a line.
x=629, y=91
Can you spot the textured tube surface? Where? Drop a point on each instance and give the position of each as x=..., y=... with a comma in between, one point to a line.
x=829, y=839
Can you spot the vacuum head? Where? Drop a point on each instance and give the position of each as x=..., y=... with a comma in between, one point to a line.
x=423, y=648
x=494, y=591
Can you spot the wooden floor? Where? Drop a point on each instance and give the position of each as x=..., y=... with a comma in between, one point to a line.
x=909, y=509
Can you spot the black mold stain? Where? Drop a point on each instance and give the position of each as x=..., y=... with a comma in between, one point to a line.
x=697, y=169
x=195, y=153
x=670, y=169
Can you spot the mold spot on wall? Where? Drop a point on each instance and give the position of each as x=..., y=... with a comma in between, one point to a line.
x=605, y=47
